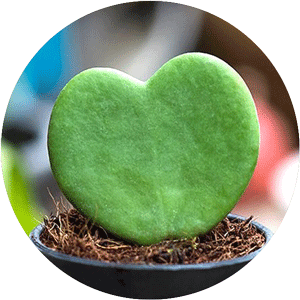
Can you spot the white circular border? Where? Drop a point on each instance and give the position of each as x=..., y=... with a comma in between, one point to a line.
x=27, y=25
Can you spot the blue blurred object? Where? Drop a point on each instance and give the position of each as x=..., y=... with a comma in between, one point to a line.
x=38, y=87
x=44, y=70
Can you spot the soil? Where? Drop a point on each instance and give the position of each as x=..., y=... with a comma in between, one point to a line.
x=71, y=233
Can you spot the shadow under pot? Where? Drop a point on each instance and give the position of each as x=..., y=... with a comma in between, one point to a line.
x=147, y=281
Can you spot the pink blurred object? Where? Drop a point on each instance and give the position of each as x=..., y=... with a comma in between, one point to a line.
x=283, y=180
x=263, y=197
x=274, y=146
x=275, y=135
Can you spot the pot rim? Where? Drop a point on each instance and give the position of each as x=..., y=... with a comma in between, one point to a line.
x=35, y=238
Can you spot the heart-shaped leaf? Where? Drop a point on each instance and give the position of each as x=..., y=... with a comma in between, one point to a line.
x=165, y=158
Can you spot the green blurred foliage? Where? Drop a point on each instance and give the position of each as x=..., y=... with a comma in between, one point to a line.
x=18, y=190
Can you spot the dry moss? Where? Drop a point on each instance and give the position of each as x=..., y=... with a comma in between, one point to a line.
x=71, y=233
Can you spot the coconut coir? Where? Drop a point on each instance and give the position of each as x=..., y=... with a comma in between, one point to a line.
x=71, y=233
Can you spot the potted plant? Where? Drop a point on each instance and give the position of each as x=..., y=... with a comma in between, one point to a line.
x=165, y=159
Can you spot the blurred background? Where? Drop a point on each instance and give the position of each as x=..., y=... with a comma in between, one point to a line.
x=138, y=38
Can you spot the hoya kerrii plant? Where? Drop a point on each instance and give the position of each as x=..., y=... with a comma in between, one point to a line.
x=168, y=158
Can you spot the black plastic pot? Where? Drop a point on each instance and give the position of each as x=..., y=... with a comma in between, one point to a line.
x=146, y=281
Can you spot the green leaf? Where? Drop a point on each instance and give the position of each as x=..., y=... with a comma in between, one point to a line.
x=165, y=158
x=18, y=189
